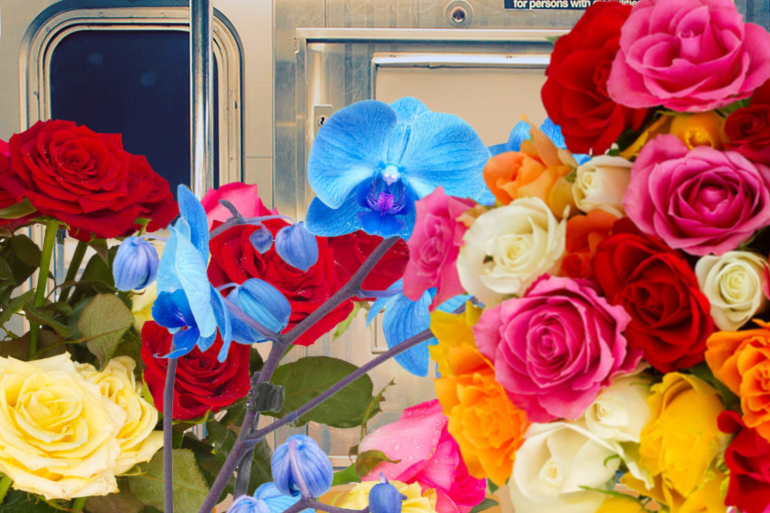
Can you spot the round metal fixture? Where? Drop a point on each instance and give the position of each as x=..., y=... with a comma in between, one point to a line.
x=459, y=13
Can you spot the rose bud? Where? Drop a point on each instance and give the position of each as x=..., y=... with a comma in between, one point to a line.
x=384, y=497
x=135, y=265
x=301, y=467
x=297, y=246
x=261, y=239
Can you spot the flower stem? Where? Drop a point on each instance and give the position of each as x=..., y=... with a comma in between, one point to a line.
x=78, y=504
x=168, y=435
x=72, y=272
x=347, y=380
x=238, y=453
x=5, y=485
x=42, y=281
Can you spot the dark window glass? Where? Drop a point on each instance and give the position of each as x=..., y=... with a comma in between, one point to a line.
x=134, y=82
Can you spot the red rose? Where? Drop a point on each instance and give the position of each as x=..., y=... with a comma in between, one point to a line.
x=6, y=198
x=584, y=233
x=670, y=318
x=202, y=383
x=351, y=250
x=749, y=132
x=575, y=92
x=234, y=260
x=86, y=180
x=748, y=458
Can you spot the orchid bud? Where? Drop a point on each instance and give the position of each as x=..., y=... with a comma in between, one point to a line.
x=261, y=239
x=247, y=504
x=263, y=303
x=384, y=497
x=135, y=265
x=297, y=246
x=300, y=467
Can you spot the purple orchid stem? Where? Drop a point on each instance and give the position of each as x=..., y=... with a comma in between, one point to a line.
x=168, y=442
x=235, y=221
x=240, y=455
x=313, y=504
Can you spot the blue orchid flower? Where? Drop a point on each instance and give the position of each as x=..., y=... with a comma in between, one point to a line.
x=371, y=161
x=267, y=499
x=520, y=133
x=187, y=304
x=404, y=318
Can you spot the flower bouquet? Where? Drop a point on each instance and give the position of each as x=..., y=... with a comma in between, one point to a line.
x=592, y=293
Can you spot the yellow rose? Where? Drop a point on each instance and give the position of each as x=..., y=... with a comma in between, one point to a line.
x=680, y=444
x=141, y=305
x=618, y=505
x=138, y=442
x=703, y=129
x=58, y=435
x=454, y=333
x=415, y=502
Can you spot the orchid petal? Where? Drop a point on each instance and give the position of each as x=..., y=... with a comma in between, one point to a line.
x=444, y=150
x=191, y=210
x=325, y=221
x=403, y=319
x=167, y=280
x=264, y=303
x=348, y=149
x=191, y=271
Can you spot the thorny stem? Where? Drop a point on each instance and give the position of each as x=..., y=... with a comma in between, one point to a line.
x=235, y=221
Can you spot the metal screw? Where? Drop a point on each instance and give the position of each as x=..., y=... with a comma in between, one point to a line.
x=459, y=14
x=320, y=121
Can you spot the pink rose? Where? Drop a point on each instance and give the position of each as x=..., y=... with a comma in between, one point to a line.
x=688, y=55
x=701, y=201
x=245, y=198
x=429, y=456
x=434, y=246
x=555, y=348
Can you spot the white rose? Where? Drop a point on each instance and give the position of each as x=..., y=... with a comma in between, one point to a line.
x=617, y=417
x=507, y=248
x=734, y=285
x=138, y=442
x=601, y=184
x=553, y=465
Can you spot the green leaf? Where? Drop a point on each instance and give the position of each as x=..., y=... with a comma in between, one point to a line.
x=484, y=505
x=18, y=210
x=492, y=486
x=373, y=408
x=17, y=501
x=22, y=256
x=122, y=502
x=14, y=306
x=309, y=377
x=553, y=39
x=223, y=440
x=48, y=345
x=344, y=325
x=346, y=476
x=190, y=488
x=104, y=321
x=25, y=249
x=35, y=314
x=367, y=460
x=100, y=246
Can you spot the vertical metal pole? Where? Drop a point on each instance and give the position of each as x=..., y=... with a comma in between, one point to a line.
x=201, y=96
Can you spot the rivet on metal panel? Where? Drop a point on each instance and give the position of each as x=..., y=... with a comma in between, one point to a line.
x=101, y=14
x=320, y=114
x=459, y=13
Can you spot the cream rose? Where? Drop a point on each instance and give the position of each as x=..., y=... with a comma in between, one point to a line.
x=141, y=305
x=553, y=465
x=138, y=442
x=617, y=417
x=601, y=183
x=57, y=432
x=734, y=285
x=507, y=248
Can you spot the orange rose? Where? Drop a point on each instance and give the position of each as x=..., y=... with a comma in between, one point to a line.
x=741, y=360
x=538, y=170
x=584, y=233
x=486, y=425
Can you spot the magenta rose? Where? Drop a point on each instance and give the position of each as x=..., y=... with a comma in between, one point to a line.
x=426, y=454
x=688, y=55
x=555, y=348
x=701, y=201
x=244, y=197
x=434, y=246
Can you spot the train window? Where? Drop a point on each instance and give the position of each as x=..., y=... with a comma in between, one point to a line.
x=135, y=83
